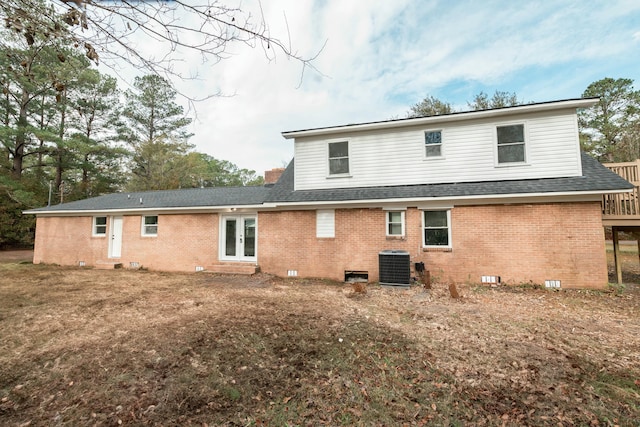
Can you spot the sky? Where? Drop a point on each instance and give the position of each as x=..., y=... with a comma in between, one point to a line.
x=376, y=58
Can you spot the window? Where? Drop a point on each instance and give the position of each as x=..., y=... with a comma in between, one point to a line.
x=511, y=147
x=395, y=223
x=338, y=158
x=436, y=228
x=150, y=225
x=433, y=143
x=99, y=225
x=325, y=223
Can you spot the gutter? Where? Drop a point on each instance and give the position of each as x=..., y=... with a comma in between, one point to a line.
x=489, y=198
x=486, y=199
x=176, y=209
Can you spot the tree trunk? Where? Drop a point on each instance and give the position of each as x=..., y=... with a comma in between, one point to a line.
x=41, y=146
x=21, y=137
x=60, y=147
x=7, y=121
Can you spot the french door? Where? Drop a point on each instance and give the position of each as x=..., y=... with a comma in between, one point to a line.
x=238, y=238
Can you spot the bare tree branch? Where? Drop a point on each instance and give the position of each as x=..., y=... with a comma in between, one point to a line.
x=107, y=32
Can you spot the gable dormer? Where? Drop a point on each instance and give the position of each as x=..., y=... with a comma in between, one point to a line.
x=524, y=142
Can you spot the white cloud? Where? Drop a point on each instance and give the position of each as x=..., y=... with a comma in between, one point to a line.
x=382, y=56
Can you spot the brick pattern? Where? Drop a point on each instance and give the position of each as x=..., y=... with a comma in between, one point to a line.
x=272, y=176
x=520, y=243
x=527, y=243
x=67, y=241
x=183, y=242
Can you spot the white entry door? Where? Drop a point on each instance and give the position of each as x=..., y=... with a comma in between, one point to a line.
x=115, y=234
x=238, y=238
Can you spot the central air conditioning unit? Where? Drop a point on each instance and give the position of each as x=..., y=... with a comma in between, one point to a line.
x=395, y=268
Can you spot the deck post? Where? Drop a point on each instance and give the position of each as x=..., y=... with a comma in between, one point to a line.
x=616, y=254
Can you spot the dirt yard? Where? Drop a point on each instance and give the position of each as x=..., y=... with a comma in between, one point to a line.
x=87, y=347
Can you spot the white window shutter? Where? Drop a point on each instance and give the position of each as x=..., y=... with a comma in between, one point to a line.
x=325, y=223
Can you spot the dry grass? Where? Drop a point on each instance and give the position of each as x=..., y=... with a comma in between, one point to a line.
x=86, y=347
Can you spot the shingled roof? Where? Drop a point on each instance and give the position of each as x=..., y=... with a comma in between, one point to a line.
x=596, y=178
x=215, y=197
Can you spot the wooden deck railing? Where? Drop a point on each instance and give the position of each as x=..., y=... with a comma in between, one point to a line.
x=623, y=205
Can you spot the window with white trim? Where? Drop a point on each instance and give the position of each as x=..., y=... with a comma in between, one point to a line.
x=339, y=158
x=436, y=228
x=150, y=225
x=99, y=225
x=326, y=223
x=395, y=223
x=511, y=144
x=433, y=143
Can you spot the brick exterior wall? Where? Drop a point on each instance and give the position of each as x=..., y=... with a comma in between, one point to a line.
x=272, y=176
x=183, y=242
x=67, y=241
x=520, y=243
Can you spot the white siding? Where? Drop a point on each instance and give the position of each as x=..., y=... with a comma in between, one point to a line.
x=469, y=154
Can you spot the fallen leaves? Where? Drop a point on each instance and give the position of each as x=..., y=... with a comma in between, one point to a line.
x=155, y=348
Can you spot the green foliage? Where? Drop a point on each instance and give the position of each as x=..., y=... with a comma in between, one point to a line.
x=610, y=131
x=222, y=173
x=16, y=230
x=500, y=99
x=161, y=164
x=430, y=106
x=617, y=288
x=54, y=128
x=63, y=124
x=98, y=160
x=151, y=111
x=168, y=164
x=154, y=126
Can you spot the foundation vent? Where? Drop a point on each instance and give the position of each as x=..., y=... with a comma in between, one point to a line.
x=356, y=276
x=552, y=284
x=490, y=280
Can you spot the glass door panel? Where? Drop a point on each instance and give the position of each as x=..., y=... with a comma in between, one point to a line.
x=249, y=237
x=238, y=238
x=230, y=237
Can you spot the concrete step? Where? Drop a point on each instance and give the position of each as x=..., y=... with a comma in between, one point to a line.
x=233, y=268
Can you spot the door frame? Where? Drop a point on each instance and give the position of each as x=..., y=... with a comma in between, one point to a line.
x=113, y=243
x=240, y=238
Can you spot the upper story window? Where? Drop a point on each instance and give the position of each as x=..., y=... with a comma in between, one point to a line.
x=437, y=229
x=395, y=223
x=433, y=143
x=99, y=225
x=511, y=144
x=339, y=158
x=150, y=225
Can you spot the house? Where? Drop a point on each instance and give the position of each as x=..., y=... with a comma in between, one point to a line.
x=474, y=196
